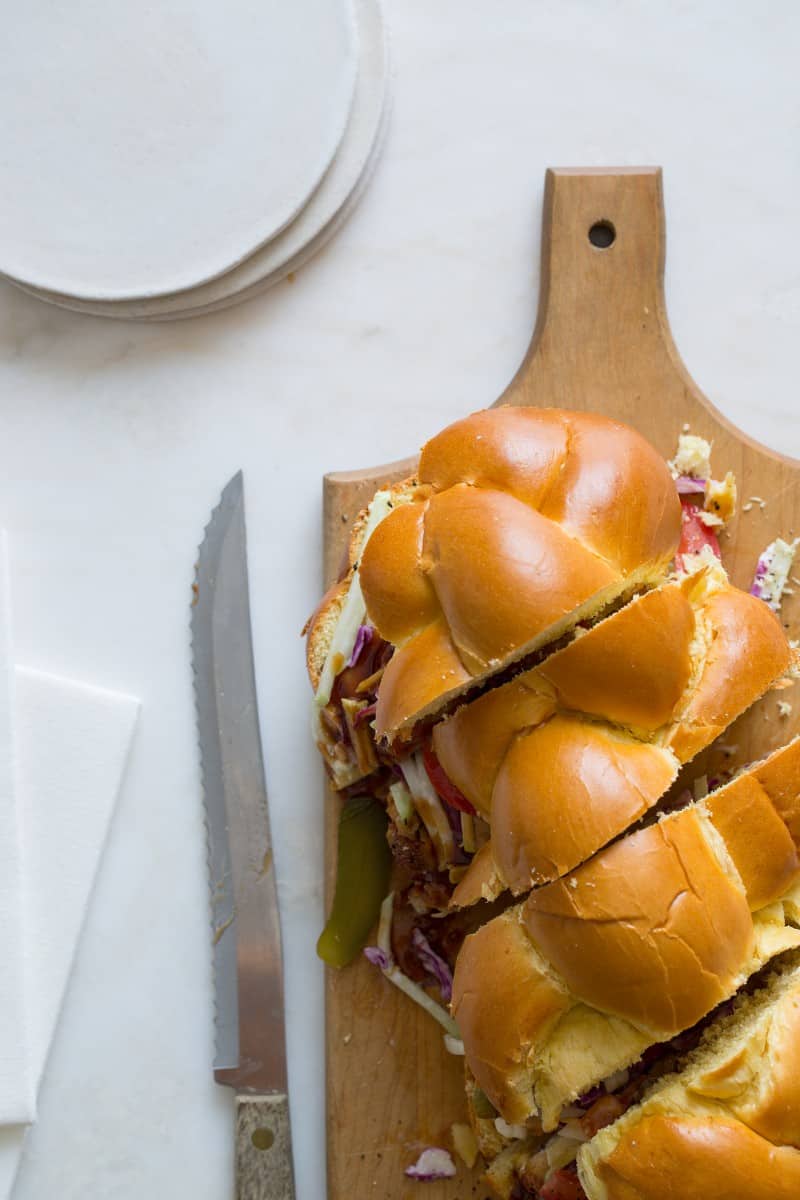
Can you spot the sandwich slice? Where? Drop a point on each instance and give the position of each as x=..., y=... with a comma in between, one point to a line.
x=712, y=1115
x=523, y=524
x=520, y=525
x=566, y=756
x=728, y=1124
x=557, y=995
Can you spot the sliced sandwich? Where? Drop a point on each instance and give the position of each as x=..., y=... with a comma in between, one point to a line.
x=560, y=993
x=727, y=1125
x=713, y=1114
x=520, y=525
x=524, y=523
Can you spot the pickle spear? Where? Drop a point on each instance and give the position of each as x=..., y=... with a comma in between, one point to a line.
x=362, y=880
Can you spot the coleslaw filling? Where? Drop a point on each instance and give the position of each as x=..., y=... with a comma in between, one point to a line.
x=381, y=956
x=772, y=572
x=707, y=504
x=354, y=610
x=550, y=1172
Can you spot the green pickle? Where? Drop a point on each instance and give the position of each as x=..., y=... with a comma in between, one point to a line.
x=362, y=881
x=482, y=1105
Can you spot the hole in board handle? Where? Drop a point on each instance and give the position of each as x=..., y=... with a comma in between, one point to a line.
x=602, y=234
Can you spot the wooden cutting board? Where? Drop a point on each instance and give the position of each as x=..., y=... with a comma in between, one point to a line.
x=602, y=342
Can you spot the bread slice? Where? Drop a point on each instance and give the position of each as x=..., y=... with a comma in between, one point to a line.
x=630, y=949
x=527, y=522
x=520, y=526
x=687, y=1113
x=728, y=1124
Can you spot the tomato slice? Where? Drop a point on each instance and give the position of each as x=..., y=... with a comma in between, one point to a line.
x=602, y=1113
x=562, y=1185
x=445, y=788
x=695, y=534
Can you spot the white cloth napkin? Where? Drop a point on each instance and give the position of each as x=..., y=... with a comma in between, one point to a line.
x=68, y=744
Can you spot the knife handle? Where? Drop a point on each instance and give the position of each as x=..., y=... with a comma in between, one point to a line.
x=263, y=1148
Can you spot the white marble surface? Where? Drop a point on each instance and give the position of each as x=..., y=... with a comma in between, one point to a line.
x=116, y=439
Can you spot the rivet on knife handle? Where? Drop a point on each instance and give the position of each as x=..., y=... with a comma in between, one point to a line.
x=263, y=1148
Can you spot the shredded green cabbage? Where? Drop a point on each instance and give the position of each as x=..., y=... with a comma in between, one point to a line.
x=354, y=610
x=402, y=801
x=430, y=809
x=401, y=980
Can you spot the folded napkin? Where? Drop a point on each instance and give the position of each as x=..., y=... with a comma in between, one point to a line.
x=68, y=744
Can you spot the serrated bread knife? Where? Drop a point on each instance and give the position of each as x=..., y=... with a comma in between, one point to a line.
x=248, y=967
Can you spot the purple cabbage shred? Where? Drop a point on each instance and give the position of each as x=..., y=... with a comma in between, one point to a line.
x=433, y=963
x=378, y=957
x=454, y=818
x=762, y=567
x=363, y=639
x=588, y=1098
x=689, y=485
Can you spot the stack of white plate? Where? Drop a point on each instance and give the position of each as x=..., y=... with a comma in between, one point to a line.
x=167, y=158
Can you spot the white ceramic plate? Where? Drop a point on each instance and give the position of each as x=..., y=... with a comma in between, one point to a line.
x=149, y=147
x=328, y=208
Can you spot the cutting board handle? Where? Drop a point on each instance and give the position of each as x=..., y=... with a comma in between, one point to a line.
x=602, y=340
x=601, y=302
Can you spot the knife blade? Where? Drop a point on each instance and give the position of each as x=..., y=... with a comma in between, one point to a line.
x=248, y=964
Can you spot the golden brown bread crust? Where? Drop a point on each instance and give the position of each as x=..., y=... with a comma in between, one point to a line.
x=502, y=572
x=637, y=945
x=556, y=785
x=779, y=775
x=742, y=1079
x=473, y=744
x=581, y=470
x=691, y=1158
x=527, y=521
x=481, y=881
x=632, y=668
x=737, y=1095
x=520, y=450
x=402, y=599
x=421, y=671
x=321, y=625
x=653, y=930
x=565, y=789
x=768, y=864
x=748, y=650
x=501, y=983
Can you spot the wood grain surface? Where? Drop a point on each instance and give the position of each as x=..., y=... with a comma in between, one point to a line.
x=602, y=342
